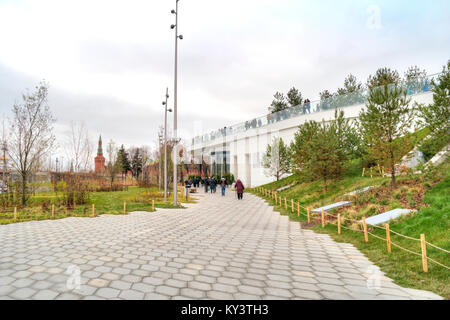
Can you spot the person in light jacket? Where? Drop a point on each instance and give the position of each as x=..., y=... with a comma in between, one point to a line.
x=239, y=189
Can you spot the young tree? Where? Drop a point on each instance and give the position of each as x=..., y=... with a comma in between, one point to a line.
x=321, y=150
x=279, y=103
x=436, y=116
x=385, y=119
x=325, y=99
x=351, y=93
x=277, y=159
x=31, y=134
x=113, y=167
x=415, y=79
x=383, y=76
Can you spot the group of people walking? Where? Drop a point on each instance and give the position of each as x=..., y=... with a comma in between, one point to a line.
x=210, y=185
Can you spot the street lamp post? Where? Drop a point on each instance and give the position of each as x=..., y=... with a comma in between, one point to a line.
x=160, y=159
x=165, y=143
x=175, y=127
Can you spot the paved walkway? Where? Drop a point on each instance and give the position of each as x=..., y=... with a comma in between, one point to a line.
x=220, y=248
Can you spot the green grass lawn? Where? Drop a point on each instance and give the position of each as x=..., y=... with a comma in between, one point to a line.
x=137, y=199
x=432, y=219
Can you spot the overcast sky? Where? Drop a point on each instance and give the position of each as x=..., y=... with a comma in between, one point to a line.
x=108, y=62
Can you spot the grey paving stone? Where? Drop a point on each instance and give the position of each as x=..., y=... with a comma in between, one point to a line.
x=107, y=293
x=45, y=295
x=131, y=295
x=192, y=293
x=23, y=293
x=245, y=251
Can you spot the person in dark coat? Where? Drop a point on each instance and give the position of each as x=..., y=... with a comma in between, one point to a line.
x=206, y=183
x=223, y=184
x=239, y=189
x=213, y=184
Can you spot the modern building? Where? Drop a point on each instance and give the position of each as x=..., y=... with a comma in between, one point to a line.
x=239, y=148
x=99, y=159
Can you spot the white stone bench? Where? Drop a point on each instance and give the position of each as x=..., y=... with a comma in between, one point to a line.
x=284, y=188
x=387, y=216
x=332, y=206
x=359, y=191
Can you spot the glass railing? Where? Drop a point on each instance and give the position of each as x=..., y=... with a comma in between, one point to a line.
x=415, y=86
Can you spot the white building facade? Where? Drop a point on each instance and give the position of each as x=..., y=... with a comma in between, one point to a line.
x=239, y=149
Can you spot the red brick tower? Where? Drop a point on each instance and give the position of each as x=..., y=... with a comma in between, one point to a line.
x=99, y=159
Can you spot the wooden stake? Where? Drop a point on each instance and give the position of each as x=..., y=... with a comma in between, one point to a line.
x=366, y=236
x=285, y=203
x=364, y=170
x=292, y=205
x=124, y=207
x=280, y=201
x=298, y=208
x=15, y=214
x=379, y=168
x=424, y=253
x=153, y=204
x=371, y=172
x=93, y=210
x=339, y=223
x=53, y=211
x=323, y=218
x=276, y=200
x=388, y=238
x=309, y=219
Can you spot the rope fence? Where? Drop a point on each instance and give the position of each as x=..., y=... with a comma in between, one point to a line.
x=278, y=200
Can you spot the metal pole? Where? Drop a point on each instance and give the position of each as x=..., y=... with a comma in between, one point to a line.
x=175, y=127
x=165, y=148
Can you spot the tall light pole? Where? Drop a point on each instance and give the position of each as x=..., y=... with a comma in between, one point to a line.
x=160, y=159
x=175, y=127
x=165, y=143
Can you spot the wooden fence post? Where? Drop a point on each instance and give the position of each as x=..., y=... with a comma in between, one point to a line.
x=53, y=211
x=153, y=204
x=424, y=253
x=280, y=201
x=285, y=203
x=366, y=236
x=124, y=207
x=339, y=223
x=388, y=238
x=323, y=218
x=309, y=219
x=371, y=172
x=292, y=205
x=364, y=170
x=276, y=200
x=15, y=214
x=93, y=210
x=298, y=208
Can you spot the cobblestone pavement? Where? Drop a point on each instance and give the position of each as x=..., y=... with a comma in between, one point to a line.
x=219, y=248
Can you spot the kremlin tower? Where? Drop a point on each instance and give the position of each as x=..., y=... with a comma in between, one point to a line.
x=99, y=159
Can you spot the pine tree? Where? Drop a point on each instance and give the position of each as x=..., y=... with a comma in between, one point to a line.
x=436, y=116
x=385, y=119
x=136, y=163
x=276, y=160
x=279, y=103
x=123, y=161
x=294, y=97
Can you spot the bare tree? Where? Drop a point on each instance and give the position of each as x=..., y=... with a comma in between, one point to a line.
x=31, y=134
x=79, y=147
x=113, y=166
